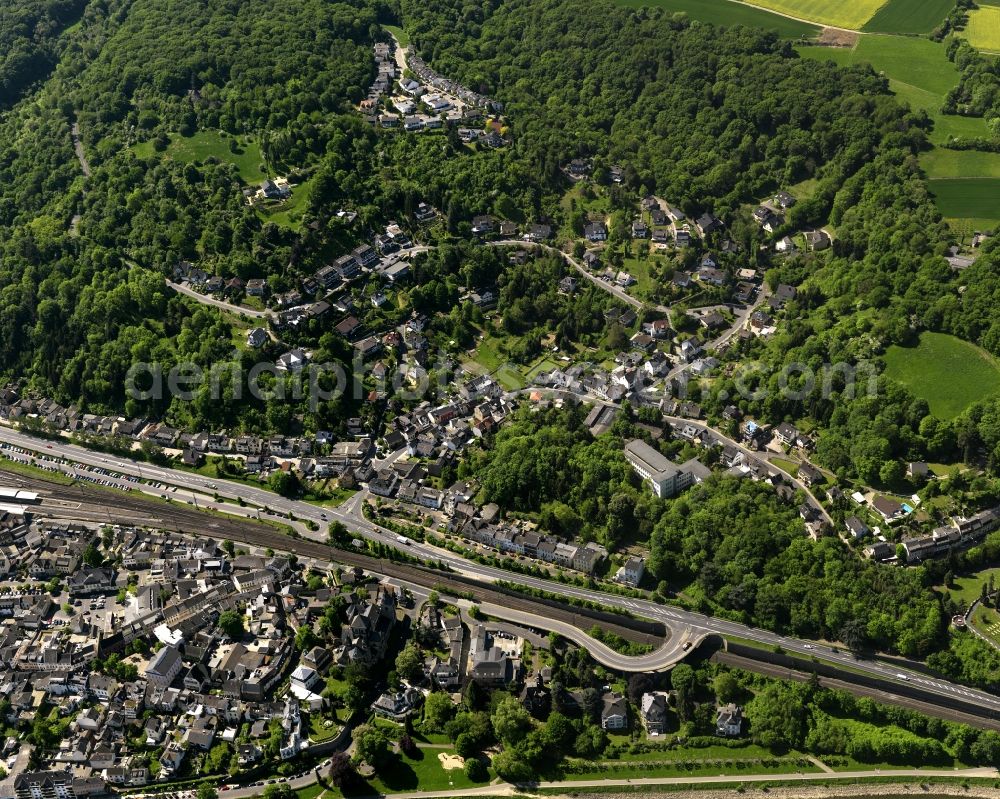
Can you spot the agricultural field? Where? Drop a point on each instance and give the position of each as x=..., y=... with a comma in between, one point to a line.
x=949, y=373
x=941, y=163
x=975, y=200
x=909, y=16
x=731, y=12
x=208, y=143
x=850, y=14
x=983, y=30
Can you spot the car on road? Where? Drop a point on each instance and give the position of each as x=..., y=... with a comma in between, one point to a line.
x=901, y=676
x=808, y=646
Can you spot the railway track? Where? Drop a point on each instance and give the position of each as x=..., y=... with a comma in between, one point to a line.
x=85, y=502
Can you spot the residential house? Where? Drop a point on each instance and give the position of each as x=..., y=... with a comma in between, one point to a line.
x=708, y=223
x=632, y=572
x=857, y=528
x=889, y=509
x=653, y=709
x=817, y=240
x=398, y=706
x=729, y=721
x=614, y=711
x=595, y=231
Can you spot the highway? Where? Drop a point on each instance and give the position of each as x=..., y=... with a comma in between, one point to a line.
x=672, y=652
x=681, y=622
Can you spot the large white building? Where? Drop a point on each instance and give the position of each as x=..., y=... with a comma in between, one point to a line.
x=665, y=476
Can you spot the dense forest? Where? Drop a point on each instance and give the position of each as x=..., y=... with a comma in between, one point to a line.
x=707, y=117
x=28, y=49
x=978, y=91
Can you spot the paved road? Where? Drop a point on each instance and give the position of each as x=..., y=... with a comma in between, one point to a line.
x=81, y=156
x=604, y=285
x=206, y=299
x=673, y=651
x=351, y=516
x=678, y=420
x=506, y=789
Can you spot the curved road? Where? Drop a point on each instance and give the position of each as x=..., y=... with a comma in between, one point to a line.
x=673, y=651
x=602, y=284
x=351, y=516
x=205, y=299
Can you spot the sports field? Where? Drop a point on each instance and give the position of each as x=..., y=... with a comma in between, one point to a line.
x=909, y=16
x=983, y=30
x=949, y=373
x=850, y=14
x=728, y=12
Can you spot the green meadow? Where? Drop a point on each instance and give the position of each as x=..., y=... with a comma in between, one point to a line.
x=212, y=143
x=948, y=372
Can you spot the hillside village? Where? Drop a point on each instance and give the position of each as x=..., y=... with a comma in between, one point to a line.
x=409, y=461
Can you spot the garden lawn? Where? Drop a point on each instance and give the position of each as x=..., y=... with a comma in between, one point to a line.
x=789, y=466
x=423, y=772
x=968, y=589
x=949, y=373
x=288, y=213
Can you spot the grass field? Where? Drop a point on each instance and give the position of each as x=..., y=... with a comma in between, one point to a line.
x=909, y=16
x=968, y=589
x=850, y=14
x=974, y=199
x=206, y=143
x=423, y=772
x=942, y=163
x=965, y=184
x=399, y=33
x=288, y=212
x=987, y=622
x=949, y=373
x=727, y=12
x=983, y=30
